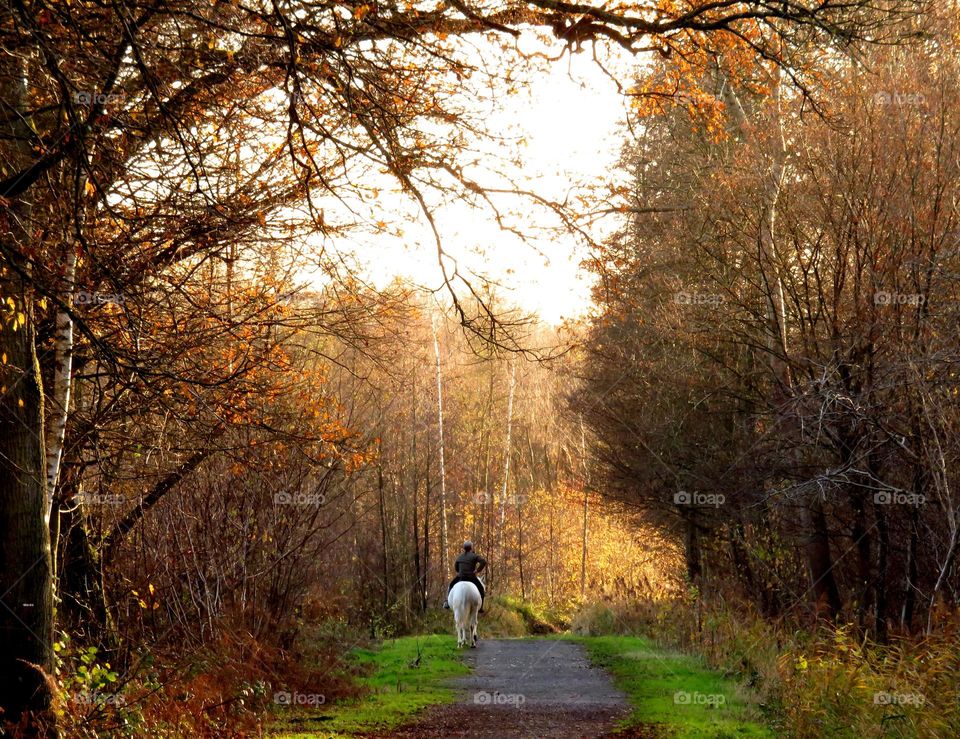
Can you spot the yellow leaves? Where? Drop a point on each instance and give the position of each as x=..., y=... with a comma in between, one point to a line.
x=148, y=605
x=16, y=319
x=362, y=11
x=89, y=189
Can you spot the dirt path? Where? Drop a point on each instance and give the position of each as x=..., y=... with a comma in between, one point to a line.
x=534, y=688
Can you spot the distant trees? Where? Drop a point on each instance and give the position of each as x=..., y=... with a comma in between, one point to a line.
x=773, y=374
x=529, y=525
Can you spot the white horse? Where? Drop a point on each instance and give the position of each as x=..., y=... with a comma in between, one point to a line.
x=465, y=601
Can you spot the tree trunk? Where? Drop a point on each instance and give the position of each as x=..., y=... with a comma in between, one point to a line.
x=82, y=605
x=880, y=589
x=820, y=560
x=586, y=511
x=508, y=452
x=443, y=469
x=26, y=574
x=741, y=560
x=421, y=592
x=385, y=564
x=864, y=546
x=912, y=572
x=523, y=586
x=426, y=533
x=56, y=428
x=692, y=553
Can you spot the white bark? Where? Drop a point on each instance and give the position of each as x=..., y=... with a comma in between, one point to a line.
x=586, y=510
x=769, y=268
x=443, y=468
x=507, y=455
x=62, y=380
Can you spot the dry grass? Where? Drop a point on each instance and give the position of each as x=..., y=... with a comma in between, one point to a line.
x=818, y=680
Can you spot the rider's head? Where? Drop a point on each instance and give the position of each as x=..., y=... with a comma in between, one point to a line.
x=467, y=546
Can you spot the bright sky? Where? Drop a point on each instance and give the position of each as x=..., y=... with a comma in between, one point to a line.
x=572, y=120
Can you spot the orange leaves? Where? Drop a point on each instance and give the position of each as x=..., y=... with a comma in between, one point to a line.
x=696, y=64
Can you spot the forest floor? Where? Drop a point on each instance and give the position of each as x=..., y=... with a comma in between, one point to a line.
x=554, y=688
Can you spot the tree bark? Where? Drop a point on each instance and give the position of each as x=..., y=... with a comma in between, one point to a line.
x=586, y=512
x=508, y=452
x=880, y=589
x=864, y=545
x=443, y=468
x=820, y=560
x=384, y=561
x=26, y=567
x=56, y=428
x=82, y=597
x=691, y=549
x=912, y=571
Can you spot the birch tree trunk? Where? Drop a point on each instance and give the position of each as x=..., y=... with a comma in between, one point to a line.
x=59, y=395
x=443, y=467
x=63, y=367
x=506, y=462
x=586, y=511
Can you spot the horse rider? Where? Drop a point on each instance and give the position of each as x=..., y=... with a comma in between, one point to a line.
x=468, y=565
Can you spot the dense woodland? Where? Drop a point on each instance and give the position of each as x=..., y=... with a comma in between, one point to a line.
x=208, y=461
x=778, y=343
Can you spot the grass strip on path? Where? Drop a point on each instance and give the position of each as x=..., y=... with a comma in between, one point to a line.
x=674, y=691
x=399, y=686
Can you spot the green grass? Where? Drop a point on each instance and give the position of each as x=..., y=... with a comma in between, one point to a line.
x=397, y=689
x=656, y=681
x=674, y=691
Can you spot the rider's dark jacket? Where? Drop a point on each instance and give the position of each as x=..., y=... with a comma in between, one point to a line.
x=469, y=563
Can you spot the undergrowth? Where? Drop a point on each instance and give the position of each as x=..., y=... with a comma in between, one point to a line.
x=823, y=680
